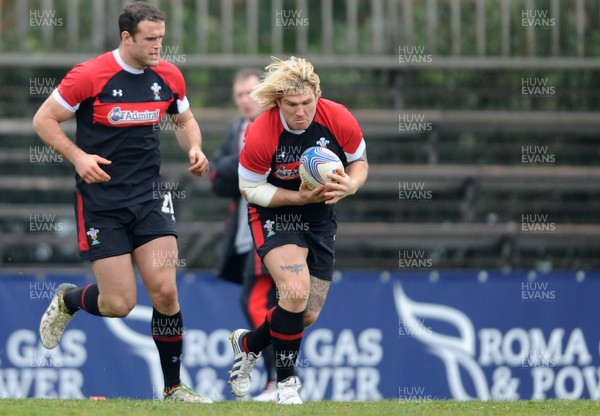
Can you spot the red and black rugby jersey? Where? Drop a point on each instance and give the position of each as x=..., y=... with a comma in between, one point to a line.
x=273, y=150
x=118, y=109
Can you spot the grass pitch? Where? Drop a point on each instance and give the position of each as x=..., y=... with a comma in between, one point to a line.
x=116, y=407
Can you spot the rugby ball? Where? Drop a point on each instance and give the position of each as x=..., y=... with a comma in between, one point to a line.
x=315, y=163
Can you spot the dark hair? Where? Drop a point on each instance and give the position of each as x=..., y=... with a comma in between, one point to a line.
x=136, y=12
x=246, y=73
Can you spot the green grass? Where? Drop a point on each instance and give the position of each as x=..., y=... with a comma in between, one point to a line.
x=116, y=407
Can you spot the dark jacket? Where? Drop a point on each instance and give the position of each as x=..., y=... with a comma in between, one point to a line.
x=225, y=183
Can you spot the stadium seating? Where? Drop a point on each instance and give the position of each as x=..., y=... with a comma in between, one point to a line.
x=467, y=160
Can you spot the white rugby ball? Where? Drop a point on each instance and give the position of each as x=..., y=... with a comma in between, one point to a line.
x=315, y=163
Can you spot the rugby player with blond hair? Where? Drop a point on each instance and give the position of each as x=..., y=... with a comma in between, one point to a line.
x=293, y=227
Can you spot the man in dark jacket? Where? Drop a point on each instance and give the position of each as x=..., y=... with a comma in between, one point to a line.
x=239, y=262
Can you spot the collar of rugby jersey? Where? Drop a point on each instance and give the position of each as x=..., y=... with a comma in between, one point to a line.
x=123, y=65
x=285, y=125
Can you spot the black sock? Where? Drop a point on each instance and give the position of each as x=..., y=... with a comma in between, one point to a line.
x=85, y=298
x=269, y=360
x=287, y=329
x=167, y=332
x=258, y=339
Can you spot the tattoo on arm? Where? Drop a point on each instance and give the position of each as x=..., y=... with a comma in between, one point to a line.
x=294, y=268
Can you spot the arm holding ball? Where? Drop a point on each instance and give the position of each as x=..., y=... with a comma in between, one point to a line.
x=346, y=183
x=259, y=191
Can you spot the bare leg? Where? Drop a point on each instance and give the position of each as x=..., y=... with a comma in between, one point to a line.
x=116, y=283
x=157, y=261
x=316, y=299
x=287, y=266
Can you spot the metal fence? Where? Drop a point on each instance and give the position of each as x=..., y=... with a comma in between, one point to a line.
x=353, y=33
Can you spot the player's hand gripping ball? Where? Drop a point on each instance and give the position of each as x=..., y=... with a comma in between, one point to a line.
x=316, y=163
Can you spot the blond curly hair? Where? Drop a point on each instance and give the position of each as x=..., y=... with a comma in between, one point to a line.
x=290, y=77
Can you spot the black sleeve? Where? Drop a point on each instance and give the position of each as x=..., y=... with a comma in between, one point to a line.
x=224, y=168
x=225, y=177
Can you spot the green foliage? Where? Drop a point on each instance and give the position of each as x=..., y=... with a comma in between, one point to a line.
x=424, y=87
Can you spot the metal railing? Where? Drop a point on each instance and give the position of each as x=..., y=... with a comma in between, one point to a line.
x=355, y=33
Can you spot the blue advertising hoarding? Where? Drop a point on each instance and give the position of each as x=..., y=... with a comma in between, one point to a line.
x=418, y=335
